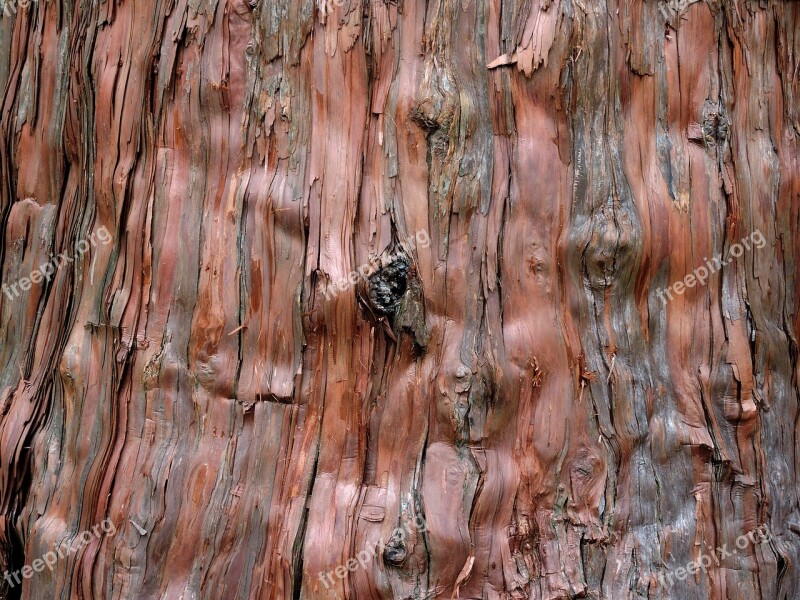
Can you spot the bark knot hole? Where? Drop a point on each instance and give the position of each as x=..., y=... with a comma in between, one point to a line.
x=388, y=285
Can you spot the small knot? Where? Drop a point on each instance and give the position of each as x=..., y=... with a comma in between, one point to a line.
x=395, y=551
x=388, y=285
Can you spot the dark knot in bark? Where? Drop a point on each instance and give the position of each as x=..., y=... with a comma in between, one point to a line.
x=395, y=551
x=388, y=285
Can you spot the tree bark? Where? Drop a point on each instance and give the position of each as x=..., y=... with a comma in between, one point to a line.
x=377, y=299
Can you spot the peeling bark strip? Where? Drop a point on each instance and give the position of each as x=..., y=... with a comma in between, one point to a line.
x=10, y=7
x=515, y=383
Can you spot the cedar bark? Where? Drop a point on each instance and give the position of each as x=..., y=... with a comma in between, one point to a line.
x=515, y=395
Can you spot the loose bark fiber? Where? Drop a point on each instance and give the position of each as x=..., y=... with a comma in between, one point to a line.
x=514, y=395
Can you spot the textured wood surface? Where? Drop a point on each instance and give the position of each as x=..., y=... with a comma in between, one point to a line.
x=513, y=394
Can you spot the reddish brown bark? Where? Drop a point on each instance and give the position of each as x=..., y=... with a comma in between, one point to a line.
x=515, y=395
